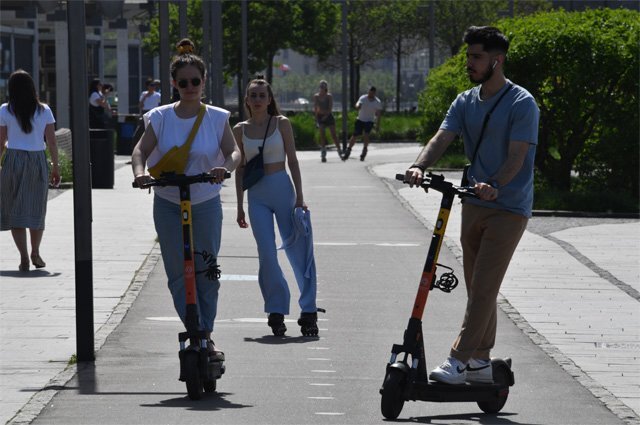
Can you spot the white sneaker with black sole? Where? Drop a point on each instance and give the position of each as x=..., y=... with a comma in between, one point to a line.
x=479, y=372
x=452, y=371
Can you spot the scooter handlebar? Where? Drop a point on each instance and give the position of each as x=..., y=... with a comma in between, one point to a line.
x=172, y=179
x=437, y=182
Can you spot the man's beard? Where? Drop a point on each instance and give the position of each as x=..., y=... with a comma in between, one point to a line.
x=484, y=78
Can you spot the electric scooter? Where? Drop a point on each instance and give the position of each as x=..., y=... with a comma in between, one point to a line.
x=198, y=370
x=406, y=374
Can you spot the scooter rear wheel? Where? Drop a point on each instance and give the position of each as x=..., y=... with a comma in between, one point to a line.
x=392, y=393
x=501, y=377
x=192, y=375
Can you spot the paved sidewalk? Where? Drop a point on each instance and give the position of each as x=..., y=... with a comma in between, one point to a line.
x=573, y=292
x=586, y=317
x=37, y=309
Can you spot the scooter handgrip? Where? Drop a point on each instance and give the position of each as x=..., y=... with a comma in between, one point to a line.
x=134, y=184
x=227, y=174
x=400, y=177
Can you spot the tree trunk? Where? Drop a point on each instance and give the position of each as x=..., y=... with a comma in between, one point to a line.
x=241, y=111
x=398, y=74
x=269, y=76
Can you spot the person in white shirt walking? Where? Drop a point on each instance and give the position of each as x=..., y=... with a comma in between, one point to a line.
x=149, y=98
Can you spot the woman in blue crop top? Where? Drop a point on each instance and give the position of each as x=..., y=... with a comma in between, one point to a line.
x=276, y=195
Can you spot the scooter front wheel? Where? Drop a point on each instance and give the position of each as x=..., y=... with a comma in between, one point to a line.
x=392, y=393
x=192, y=375
x=501, y=375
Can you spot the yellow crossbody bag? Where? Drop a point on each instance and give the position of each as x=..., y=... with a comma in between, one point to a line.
x=175, y=160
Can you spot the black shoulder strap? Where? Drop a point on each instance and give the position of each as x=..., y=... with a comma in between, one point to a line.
x=264, y=139
x=486, y=120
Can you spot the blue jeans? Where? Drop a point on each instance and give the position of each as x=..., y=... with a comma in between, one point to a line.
x=273, y=196
x=206, y=231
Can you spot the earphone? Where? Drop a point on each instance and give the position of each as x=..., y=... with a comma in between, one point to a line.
x=494, y=64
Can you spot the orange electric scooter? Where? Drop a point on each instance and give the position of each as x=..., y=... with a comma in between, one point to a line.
x=406, y=375
x=197, y=369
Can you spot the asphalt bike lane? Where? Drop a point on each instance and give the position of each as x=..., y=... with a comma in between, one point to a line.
x=370, y=249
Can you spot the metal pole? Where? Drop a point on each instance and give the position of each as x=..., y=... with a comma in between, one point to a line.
x=245, y=64
x=81, y=181
x=163, y=12
x=432, y=33
x=206, y=45
x=182, y=16
x=345, y=94
x=216, y=54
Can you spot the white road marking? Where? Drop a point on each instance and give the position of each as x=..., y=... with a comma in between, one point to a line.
x=321, y=384
x=319, y=359
x=329, y=413
x=323, y=371
x=321, y=398
x=240, y=277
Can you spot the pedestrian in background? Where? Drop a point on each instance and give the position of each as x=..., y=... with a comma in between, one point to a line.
x=212, y=151
x=368, y=107
x=501, y=172
x=99, y=108
x=322, y=109
x=149, y=98
x=25, y=123
x=275, y=196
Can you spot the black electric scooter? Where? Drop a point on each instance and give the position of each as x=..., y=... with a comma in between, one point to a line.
x=406, y=374
x=197, y=369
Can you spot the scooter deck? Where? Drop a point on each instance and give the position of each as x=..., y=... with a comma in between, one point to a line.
x=439, y=392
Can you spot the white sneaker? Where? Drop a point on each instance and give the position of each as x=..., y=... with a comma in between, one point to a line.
x=479, y=371
x=452, y=371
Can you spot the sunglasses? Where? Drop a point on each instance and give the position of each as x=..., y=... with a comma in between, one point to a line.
x=195, y=82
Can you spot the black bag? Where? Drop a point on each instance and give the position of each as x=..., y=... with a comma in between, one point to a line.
x=254, y=169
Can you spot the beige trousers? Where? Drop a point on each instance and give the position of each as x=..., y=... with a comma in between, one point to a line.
x=489, y=238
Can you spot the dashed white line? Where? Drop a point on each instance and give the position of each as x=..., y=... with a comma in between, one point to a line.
x=323, y=371
x=329, y=413
x=320, y=359
x=321, y=384
x=321, y=398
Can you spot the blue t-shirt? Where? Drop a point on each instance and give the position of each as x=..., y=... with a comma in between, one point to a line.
x=515, y=119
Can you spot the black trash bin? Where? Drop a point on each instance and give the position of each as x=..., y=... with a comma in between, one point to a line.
x=102, y=158
x=126, y=131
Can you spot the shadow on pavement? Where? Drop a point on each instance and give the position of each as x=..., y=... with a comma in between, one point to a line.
x=278, y=340
x=30, y=274
x=480, y=418
x=209, y=402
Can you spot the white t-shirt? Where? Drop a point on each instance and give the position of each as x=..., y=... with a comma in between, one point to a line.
x=94, y=98
x=150, y=102
x=17, y=139
x=205, y=152
x=368, y=108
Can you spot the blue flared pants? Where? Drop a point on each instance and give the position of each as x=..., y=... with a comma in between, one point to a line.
x=274, y=196
x=206, y=231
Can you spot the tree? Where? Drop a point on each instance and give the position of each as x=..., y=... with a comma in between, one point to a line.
x=453, y=17
x=582, y=69
x=405, y=30
x=305, y=26
x=366, y=41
